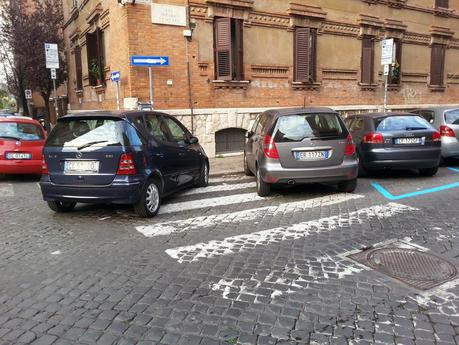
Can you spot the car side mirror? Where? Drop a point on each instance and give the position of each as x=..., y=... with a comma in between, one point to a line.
x=193, y=140
x=248, y=134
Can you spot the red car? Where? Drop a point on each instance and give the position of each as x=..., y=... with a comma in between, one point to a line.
x=21, y=145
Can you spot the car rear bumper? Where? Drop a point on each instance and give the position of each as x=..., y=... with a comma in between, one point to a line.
x=406, y=159
x=118, y=192
x=20, y=167
x=449, y=147
x=273, y=172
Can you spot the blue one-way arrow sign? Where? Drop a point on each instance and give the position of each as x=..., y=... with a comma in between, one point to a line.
x=116, y=76
x=149, y=61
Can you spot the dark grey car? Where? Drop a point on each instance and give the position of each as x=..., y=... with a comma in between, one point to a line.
x=395, y=141
x=446, y=121
x=301, y=145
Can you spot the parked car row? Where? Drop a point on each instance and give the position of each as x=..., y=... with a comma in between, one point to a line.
x=140, y=157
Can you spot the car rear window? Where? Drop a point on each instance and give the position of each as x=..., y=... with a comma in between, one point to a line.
x=401, y=123
x=95, y=132
x=452, y=117
x=301, y=126
x=21, y=131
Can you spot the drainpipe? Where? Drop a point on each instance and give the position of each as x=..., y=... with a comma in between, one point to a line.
x=188, y=66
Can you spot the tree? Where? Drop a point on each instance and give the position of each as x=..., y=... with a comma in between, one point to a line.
x=26, y=27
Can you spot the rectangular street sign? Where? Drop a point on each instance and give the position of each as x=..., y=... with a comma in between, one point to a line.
x=53, y=74
x=149, y=61
x=28, y=94
x=386, y=69
x=52, y=55
x=116, y=76
x=387, y=51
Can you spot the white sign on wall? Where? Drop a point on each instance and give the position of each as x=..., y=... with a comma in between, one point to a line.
x=387, y=51
x=168, y=14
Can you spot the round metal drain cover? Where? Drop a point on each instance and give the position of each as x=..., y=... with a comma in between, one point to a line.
x=418, y=269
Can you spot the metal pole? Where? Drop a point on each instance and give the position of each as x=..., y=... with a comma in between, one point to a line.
x=55, y=98
x=150, y=77
x=190, y=94
x=118, y=96
x=385, y=92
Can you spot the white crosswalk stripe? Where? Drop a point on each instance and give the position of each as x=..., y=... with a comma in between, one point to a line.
x=167, y=228
x=219, y=188
x=211, y=202
x=241, y=243
x=6, y=190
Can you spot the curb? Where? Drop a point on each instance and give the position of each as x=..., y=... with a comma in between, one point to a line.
x=224, y=173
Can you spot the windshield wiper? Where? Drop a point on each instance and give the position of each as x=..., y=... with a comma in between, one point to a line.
x=415, y=128
x=10, y=137
x=91, y=143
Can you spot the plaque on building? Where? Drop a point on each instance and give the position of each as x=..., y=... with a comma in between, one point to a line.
x=168, y=14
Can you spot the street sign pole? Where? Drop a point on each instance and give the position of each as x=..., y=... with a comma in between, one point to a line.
x=386, y=79
x=150, y=77
x=118, y=106
x=387, y=59
x=53, y=77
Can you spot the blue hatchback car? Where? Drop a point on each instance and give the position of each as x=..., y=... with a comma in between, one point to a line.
x=121, y=158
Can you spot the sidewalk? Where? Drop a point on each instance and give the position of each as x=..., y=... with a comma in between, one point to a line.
x=226, y=165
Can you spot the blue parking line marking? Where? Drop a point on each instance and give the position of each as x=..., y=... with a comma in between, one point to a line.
x=388, y=195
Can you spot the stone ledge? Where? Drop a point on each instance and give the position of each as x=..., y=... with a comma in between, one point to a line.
x=368, y=87
x=230, y=84
x=306, y=86
x=437, y=88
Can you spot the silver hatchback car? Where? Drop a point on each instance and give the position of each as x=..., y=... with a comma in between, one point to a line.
x=300, y=145
x=446, y=120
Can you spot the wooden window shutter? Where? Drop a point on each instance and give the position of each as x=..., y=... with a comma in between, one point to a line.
x=302, y=54
x=78, y=69
x=223, y=52
x=100, y=52
x=442, y=3
x=437, y=64
x=91, y=50
x=313, y=56
x=367, y=60
x=239, y=44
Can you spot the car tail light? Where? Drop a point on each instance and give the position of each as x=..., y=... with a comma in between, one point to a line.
x=373, y=138
x=127, y=165
x=44, y=167
x=270, y=148
x=445, y=131
x=436, y=136
x=350, y=147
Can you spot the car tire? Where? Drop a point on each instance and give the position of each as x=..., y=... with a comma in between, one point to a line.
x=203, y=180
x=247, y=171
x=263, y=188
x=150, y=200
x=428, y=172
x=61, y=206
x=347, y=186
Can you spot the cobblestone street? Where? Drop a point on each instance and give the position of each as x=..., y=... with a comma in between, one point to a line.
x=221, y=265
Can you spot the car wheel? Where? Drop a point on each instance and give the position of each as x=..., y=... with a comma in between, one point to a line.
x=263, y=188
x=247, y=171
x=61, y=206
x=428, y=171
x=150, y=200
x=203, y=179
x=347, y=186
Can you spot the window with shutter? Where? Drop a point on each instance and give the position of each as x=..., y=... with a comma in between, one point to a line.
x=396, y=68
x=96, y=57
x=78, y=69
x=442, y=3
x=305, y=55
x=229, y=49
x=367, y=60
x=437, y=65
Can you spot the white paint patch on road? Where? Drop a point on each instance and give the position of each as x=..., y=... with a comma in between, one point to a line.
x=195, y=223
x=6, y=190
x=228, y=178
x=57, y=252
x=241, y=243
x=211, y=202
x=219, y=188
x=443, y=297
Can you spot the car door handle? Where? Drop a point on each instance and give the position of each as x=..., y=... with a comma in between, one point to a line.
x=159, y=155
x=181, y=154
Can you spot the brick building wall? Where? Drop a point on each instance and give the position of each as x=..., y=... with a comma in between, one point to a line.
x=269, y=78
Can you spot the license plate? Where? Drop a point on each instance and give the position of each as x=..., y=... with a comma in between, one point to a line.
x=311, y=155
x=410, y=141
x=81, y=167
x=18, y=155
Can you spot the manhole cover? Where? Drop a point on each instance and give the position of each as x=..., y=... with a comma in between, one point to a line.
x=418, y=269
